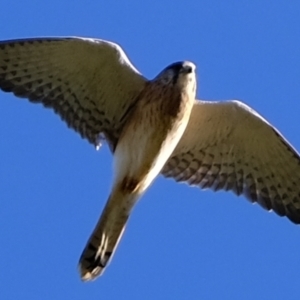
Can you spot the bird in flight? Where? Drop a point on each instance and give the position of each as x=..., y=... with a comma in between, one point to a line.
x=152, y=127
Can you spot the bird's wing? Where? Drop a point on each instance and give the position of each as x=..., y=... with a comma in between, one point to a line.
x=90, y=83
x=229, y=146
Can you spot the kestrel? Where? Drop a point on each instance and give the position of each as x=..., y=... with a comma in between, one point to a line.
x=152, y=127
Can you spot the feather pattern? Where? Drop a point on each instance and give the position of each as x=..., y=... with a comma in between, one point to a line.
x=90, y=83
x=229, y=146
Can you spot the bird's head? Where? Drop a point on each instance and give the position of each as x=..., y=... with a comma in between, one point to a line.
x=181, y=74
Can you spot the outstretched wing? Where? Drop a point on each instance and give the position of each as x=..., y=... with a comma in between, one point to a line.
x=90, y=83
x=229, y=146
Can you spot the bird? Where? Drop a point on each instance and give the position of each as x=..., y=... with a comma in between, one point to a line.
x=152, y=127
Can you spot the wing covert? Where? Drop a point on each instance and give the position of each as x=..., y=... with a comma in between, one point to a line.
x=90, y=83
x=229, y=146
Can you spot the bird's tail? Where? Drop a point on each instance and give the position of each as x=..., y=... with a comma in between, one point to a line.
x=106, y=235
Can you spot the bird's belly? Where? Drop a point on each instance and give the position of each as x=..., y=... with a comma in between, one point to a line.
x=145, y=146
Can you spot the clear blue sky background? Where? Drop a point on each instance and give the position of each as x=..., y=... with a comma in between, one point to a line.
x=181, y=242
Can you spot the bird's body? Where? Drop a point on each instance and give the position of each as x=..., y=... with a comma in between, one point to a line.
x=152, y=127
x=151, y=134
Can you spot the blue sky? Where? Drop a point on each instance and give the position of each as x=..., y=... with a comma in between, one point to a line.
x=181, y=242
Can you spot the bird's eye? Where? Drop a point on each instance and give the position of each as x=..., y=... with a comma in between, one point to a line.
x=187, y=69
